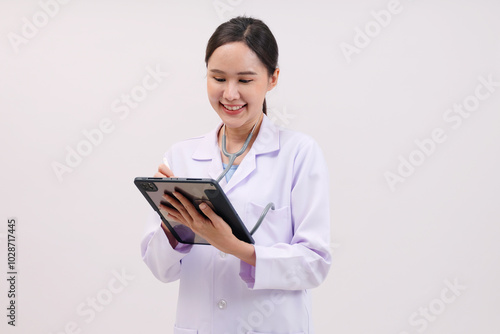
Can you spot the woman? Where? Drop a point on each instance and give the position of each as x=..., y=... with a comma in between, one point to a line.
x=231, y=286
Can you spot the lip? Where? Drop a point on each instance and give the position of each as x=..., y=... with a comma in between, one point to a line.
x=233, y=112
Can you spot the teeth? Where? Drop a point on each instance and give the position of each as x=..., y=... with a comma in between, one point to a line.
x=233, y=108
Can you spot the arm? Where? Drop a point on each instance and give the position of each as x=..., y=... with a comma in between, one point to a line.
x=305, y=261
x=165, y=171
x=161, y=252
x=210, y=226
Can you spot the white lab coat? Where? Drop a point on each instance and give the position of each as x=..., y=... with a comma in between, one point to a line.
x=220, y=294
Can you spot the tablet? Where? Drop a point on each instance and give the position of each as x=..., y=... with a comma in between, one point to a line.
x=197, y=191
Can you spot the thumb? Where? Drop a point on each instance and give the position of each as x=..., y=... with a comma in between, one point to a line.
x=207, y=211
x=165, y=171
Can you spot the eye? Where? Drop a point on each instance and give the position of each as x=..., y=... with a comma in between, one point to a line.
x=245, y=81
x=219, y=79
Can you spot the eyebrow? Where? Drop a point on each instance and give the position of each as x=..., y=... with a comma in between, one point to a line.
x=239, y=73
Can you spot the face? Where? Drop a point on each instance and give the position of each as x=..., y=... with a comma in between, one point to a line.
x=237, y=83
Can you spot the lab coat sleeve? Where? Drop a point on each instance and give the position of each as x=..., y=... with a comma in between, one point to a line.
x=304, y=262
x=163, y=260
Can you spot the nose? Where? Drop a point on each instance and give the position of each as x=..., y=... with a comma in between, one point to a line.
x=231, y=92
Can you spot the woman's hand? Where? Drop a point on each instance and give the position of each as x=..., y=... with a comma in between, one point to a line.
x=164, y=171
x=209, y=226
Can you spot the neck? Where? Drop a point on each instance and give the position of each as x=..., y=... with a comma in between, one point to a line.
x=235, y=137
x=239, y=135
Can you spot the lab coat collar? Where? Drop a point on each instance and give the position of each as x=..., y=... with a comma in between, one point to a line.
x=267, y=141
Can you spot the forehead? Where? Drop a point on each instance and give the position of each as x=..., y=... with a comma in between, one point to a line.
x=235, y=58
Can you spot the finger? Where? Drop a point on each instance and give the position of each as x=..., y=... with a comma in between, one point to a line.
x=207, y=211
x=169, y=210
x=190, y=208
x=183, y=213
x=217, y=222
x=173, y=214
x=174, y=203
x=165, y=170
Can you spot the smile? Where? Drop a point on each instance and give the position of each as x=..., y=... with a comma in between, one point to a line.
x=233, y=108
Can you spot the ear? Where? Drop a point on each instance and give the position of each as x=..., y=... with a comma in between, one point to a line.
x=273, y=80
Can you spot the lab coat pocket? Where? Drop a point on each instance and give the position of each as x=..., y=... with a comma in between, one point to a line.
x=178, y=330
x=276, y=226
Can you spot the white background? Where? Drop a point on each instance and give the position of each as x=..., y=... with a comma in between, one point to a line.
x=394, y=249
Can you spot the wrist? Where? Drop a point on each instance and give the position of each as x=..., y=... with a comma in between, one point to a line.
x=243, y=251
x=170, y=236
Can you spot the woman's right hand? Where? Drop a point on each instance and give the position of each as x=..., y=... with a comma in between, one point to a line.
x=164, y=171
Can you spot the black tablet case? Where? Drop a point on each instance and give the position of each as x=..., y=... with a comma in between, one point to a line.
x=197, y=191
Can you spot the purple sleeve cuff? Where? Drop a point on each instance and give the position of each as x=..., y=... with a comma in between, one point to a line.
x=247, y=274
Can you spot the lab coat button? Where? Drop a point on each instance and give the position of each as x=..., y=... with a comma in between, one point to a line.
x=222, y=304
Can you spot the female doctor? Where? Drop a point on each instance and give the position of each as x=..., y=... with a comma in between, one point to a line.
x=231, y=286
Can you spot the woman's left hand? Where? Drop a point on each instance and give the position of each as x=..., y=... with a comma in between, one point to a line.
x=209, y=226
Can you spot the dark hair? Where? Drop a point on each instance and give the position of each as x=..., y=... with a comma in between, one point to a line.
x=255, y=34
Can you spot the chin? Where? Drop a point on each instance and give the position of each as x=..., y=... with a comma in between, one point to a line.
x=231, y=122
